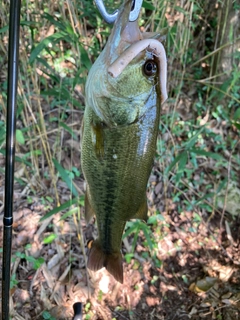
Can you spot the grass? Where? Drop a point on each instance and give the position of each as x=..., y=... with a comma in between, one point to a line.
x=198, y=146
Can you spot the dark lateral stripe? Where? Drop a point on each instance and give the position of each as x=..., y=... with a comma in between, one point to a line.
x=108, y=204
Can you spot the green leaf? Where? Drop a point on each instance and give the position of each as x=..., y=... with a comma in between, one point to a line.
x=155, y=218
x=69, y=213
x=2, y=135
x=44, y=44
x=62, y=94
x=128, y=257
x=47, y=66
x=19, y=137
x=197, y=217
x=14, y=281
x=133, y=228
x=179, y=9
x=64, y=26
x=55, y=22
x=32, y=153
x=135, y=239
x=36, y=262
x=65, y=177
x=84, y=58
x=183, y=161
x=182, y=165
x=206, y=196
x=222, y=184
x=64, y=206
x=213, y=155
x=27, y=163
x=4, y=29
x=50, y=238
x=47, y=316
x=20, y=255
x=146, y=232
x=237, y=114
x=152, y=219
x=237, y=125
x=77, y=78
x=175, y=161
x=188, y=144
x=30, y=24
x=148, y=6
x=68, y=129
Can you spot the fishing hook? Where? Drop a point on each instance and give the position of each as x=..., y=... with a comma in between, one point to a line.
x=136, y=7
x=110, y=18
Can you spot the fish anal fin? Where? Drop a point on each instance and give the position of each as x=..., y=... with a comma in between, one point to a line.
x=142, y=211
x=89, y=212
x=97, y=259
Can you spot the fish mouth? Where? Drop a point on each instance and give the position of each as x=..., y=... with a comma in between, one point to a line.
x=123, y=34
x=127, y=41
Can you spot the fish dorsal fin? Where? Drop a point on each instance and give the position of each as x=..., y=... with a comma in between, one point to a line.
x=142, y=211
x=89, y=212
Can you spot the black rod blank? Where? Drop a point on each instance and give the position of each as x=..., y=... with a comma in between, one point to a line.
x=13, y=54
x=77, y=308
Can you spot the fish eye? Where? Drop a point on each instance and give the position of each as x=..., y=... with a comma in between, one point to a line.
x=150, y=68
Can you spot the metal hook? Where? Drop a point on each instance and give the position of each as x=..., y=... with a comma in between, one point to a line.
x=136, y=7
x=110, y=18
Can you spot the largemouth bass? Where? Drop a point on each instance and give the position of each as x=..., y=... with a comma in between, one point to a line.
x=124, y=92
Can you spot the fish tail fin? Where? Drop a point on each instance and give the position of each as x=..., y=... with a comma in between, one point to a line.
x=97, y=259
x=113, y=264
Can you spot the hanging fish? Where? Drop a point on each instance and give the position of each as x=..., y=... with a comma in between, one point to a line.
x=124, y=92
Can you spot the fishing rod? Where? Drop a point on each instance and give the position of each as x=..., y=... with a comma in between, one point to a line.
x=77, y=308
x=13, y=54
x=13, y=61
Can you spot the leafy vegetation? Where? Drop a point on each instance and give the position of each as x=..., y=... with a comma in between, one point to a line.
x=198, y=150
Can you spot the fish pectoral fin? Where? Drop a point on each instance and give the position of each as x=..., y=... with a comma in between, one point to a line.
x=81, y=133
x=142, y=212
x=97, y=259
x=89, y=212
x=98, y=140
